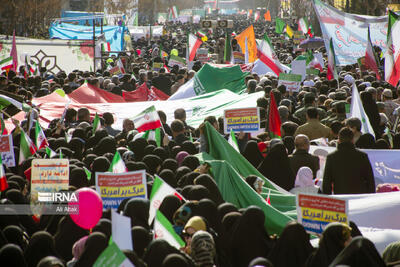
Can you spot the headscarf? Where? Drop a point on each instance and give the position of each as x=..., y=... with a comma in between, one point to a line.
x=260, y=262
x=153, y=163
x=253, y=180
x=94, y=246
x=288, y=141
x=197, y=223
x=252, y=153
x=208, y=210
x=366, y=141
x=249, y=239
x=103, y=226
x=50, y=261
x=185, y=212
x=189, y=147
x=78, y=247
x=40, y=246
x=371, y=109
x=157, y=251
x=15, y=235
x=66, y=236
x=12, y=255
x=191, y=162
x=169, y=206
x=170, y=164
x=293, y=247
x=137, y=147
x=225, y=208
x=100, y=164
x=169, y=177
x=175, y=260
x=78, y=178
x=208, y=182
x=276, y=167
x=392, y=252
x=138, y=210
x=198, y=192
x=141, y=238
x=304, y=177
x=203, y=249
x=180, y=157
x=330, y=244
x=106, y=145
x=360, y=252
x=161, y=152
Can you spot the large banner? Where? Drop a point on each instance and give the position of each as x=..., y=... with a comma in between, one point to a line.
x=385, y=163
x=349, y=32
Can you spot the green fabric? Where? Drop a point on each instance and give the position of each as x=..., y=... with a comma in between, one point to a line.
x=209, y=79
x=228, y=48
x=279, y=25
x=229, y=168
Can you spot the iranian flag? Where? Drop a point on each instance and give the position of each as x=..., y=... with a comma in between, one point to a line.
x=274, y=120
x=105, y=47
x=6, y=64
x=50, y=152
x=332, y=71
x=173, y=12
x=232, y=141
x=312, y=61
x=117, y=165
x=96, y=124
x=3, y=178
x=212, y=78
x=257, y=15
x=26, y=148
x=193, y=44
x=371, y=61
x=201, y=33
x=163, y=230
x=40, y=137
x=267, y=55
x=148, y=119
x=305, y=27
x=159, y=191
x=357, y=111
x=5, y=101
x=392, y=57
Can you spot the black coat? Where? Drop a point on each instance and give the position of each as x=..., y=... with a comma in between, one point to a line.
x=348, y=171
x=301, y=158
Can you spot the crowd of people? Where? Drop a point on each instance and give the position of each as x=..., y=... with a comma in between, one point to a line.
x=216, y=233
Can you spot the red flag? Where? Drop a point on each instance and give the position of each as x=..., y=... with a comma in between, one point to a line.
x=3, y=178
x=274, y=121
x=267, y=16
x=14, y=53
x=143, y=93
x=370, y=58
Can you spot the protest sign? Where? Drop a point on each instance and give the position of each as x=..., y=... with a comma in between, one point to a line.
x=291, y=81
x=298, y=37
x=48, y=175
x=299, y=67
x=112, y=256
x=7, y=150
x=242, y=119
x=311, y=71
x=120, y=226
x=239, y=57
x=175, y=60
x=157, y=66
x=115, y=70
x=202, y=55
x=315, y=212
x=115, y=187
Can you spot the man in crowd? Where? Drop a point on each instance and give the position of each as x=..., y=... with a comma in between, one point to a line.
x=301, y=157
x=313, y=129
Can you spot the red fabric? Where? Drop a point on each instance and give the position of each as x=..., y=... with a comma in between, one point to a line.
x=274, y=121
x=90, y=94
x=143, y=93
x=28, y=174
x=3, y=184
x=53, y=97
x=149, y=126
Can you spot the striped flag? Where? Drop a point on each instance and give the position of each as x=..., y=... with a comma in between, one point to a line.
x=232, y=141
x=96, y=123
x=392, y=57
x=148, y=119
x=332, y=71
x=40, y=137
x=3, y=178
x=371, y=61
x=117, y=164
x=153, y=135
x=193, y=44
x=26, y=148
x=105, y=47
x=357, y=111
x=14, y=53
x=6, y=63
x=50, y=152
x=159, y=191
x=274, y=120
x=267, y=55
x=173, y=12
x=257, y=15
x=5, y=101
x=201, y=34
x=163, y=230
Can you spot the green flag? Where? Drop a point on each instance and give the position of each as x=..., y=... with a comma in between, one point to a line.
x=228, y=49
x=279, y=26
x=96, y=123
